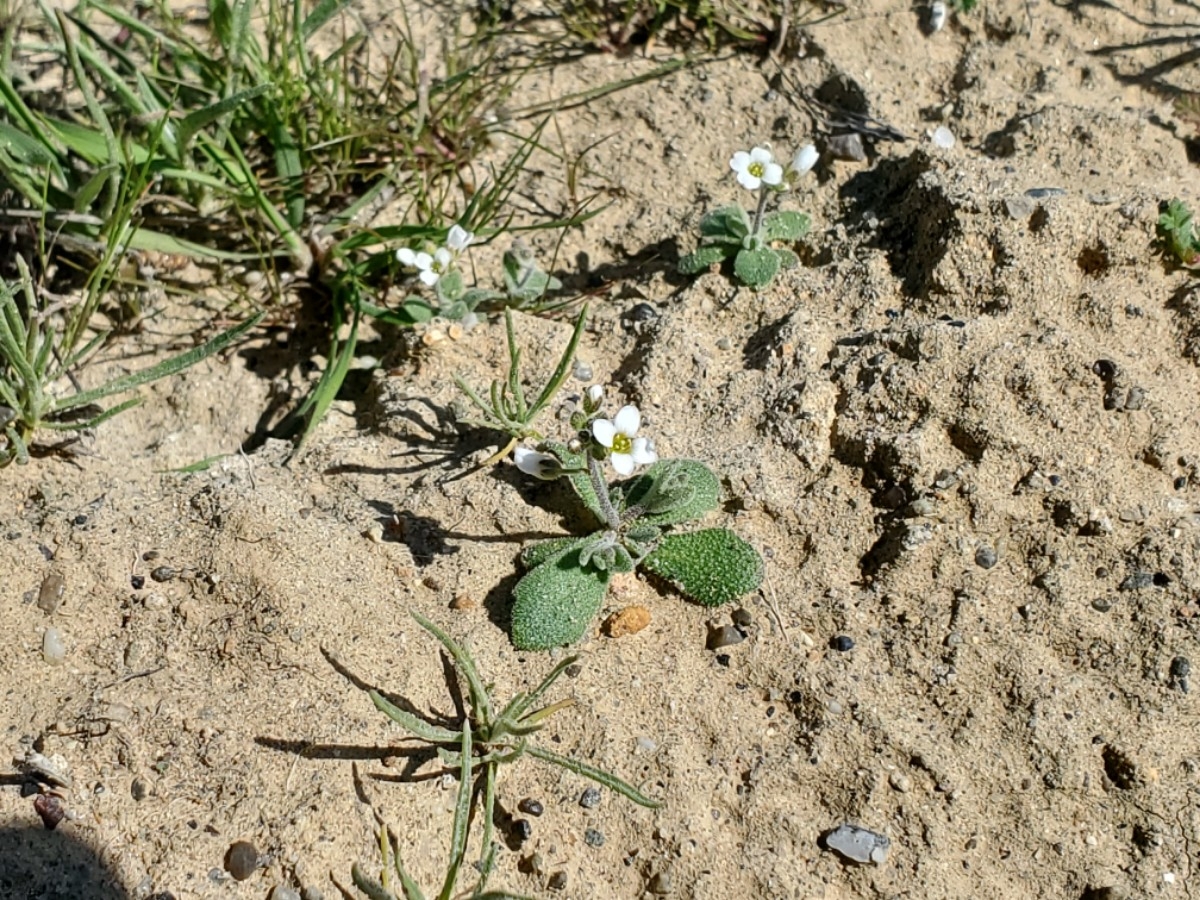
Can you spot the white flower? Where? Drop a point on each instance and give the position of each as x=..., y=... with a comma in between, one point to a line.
x=459, y=239
x=806, y=157
x=756, y=168
x=628, y=451
x=429, y=268
x=539, y=465
x=593, y=398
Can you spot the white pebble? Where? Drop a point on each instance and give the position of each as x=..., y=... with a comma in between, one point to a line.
x=54, y=648
x=943, y=137
x=937, y=15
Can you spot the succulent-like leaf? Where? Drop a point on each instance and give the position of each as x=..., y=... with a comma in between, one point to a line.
x=672, y=491
x=712, y=566
x=703, y=258
x=536, y=554
x=554, y=603
x=729, y=222
x=756, y=268
x=785, y=225
x=787, y=258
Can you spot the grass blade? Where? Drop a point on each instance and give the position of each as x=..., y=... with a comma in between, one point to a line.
x=462, y=815
x=480, y=700
x=610, y=781
x=406, y=720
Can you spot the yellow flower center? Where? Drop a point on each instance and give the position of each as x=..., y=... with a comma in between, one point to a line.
x=757, y=169
x=621, y=444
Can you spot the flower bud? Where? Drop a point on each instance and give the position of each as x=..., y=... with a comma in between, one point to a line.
x=539, y=465
x=806, y=157
x=593, y=398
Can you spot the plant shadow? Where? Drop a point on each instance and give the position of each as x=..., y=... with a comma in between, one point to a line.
x=37, y=864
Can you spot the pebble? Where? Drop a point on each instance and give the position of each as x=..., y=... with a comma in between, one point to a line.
x=241, y=860
x=847, y=146
x=463, y=601
x=50, y=810
x=531, y=807
x=724, y=636
x=1101, y=604
x=985, y=557
x=522, y=830
x=859, y=845
x=54, y=648
x=1181, y=667
x=642, y=312
x=582, y=371
x=50, y=594
x=842, y=643
x=162, y=574
x=629, y=620
x=943, y=137
x=138, y=790
x=1137, y=581
x=742, y=617
x=311, y=893
x=660, y=883
x=593, y=837
x=1018, y=208
x=590, y=798
x=282, y=892
x=557, y=881
x=900, y=782
x=137, y=582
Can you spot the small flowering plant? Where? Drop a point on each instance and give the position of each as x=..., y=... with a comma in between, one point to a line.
x=637, y=520
x=731, y=231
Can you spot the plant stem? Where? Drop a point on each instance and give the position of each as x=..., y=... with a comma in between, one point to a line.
x=759, y=210
x=600, y=486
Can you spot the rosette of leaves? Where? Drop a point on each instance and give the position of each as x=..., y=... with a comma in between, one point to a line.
x=727, y=232
x=567, y=578
x=1177, y=235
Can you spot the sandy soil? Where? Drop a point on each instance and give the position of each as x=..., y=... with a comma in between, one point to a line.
x=964, y=435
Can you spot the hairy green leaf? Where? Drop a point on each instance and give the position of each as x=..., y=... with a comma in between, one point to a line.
x=712, y=566
x=785, y=225
x=672, y=491
x=554, y=604
x=726, y=223
x=756, y=268
x=703, y=258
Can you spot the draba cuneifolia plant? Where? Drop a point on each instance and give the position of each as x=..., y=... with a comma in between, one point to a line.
x=489, y=737
x=731, y=231
x=566, y=578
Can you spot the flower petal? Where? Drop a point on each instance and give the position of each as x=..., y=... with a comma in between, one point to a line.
x=806, y=157
x=442, y=257
x=643, y=452
x=604, y=431
x=623, y=463
x=459, y=238
x=748, y=181
x=628, y=420
x=539, y=465
x=406, y=256
x=422, y=260
x=774, y=174
x=595, y=394
x=740, y=161
x=429, y=277
x=761, y=155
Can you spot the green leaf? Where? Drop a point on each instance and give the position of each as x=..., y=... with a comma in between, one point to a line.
x=554, y=604
x=1176, y=233
x=728, y=223
x=450, y=287
x=413, y=724
x=785, y=225
x=578, y=480
x=194, y=121
x=756, y=268
x=712, y=566
x=702, y=258
x=787, y=259
x=536, y=554
x=672, y=491
x=610, y=781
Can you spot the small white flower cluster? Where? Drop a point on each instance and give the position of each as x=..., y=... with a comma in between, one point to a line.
x=758, y=167
x=618, y=436
x=430, y=268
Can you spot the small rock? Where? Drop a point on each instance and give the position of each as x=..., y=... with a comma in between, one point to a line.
x=50, y=810
x=629, y=620
x=582, y=371
x=842, y=643
x=522, y=830
x=985, y=557
x=557, y=882
x=724, y=636
x=660, y=883
x=311, y=893
x=590, y=798
x=642, y=312
x=645, y=744
x=531, y=807
x=847, y=146
x=54, y=648
x=1101, y=604
x=593, y=837
x=241, y=860
x=162, y=574
x=1018, y=208
x=139, y=790
x=1137, y=581
x=900, y=782
x=374, y=533
x=50, y=594
x=943, y=137
x=1181, y=667
x=283, y=892
x=463, y=601
x=859, y=845
x=137, y=582
x=742, y=617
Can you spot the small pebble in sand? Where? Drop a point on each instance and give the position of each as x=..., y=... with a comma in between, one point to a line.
x=50, y=809
x=593, y=837
x=742, y=617
x=557, y=881
x=985, y=557
x=724, y=636
x=629, y=620
x=283, y=892
x=531, y=807
x=900, y=782
x=50, y=594
x=661, y=883
x=241, y=860
x=943, y=137
x=590, y=798
x=842, y=643
x=54, y=647
x=522, y=830
x=162, y=574
x=859, y=845
x=1181, y=668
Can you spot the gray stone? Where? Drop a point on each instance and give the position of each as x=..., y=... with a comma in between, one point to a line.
x=859, y=845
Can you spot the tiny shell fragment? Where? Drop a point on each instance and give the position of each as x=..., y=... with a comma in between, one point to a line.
x=629, y=620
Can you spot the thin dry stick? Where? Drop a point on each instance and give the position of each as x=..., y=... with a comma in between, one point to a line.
x=772, y=605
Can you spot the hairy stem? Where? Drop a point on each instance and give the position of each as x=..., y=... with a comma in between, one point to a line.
x=760, y=210
x=600, y=486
